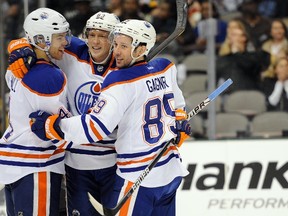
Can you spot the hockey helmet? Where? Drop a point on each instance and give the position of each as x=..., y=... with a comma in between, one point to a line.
x=42, y=23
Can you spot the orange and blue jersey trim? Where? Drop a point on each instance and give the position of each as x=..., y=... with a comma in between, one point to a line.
x=170, y=151
x=92, y=121
x=45, y=79
x=33, y=153
x=33, y=164
x=137, y=72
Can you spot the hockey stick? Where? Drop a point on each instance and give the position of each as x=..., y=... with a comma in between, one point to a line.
x=181, y=7
x=113, y=211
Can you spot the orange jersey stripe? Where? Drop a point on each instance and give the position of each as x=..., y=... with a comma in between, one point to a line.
x=97, y=134
x=42, y=193
x=36, y=156
x=146, y=159
x=125, y=208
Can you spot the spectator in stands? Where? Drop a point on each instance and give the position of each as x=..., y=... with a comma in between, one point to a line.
x=78, y=17
x=231, y=5
x=164, y=20
x=194, y=13
x=242, y=66
x=12, y=18
x=276, y=87
x=209, y=10
x=268, y=8
x=257, y=26
x=276, y=45
x=226, y=47
x=114, y=6
x=130, y=10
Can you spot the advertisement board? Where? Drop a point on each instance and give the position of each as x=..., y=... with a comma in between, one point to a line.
x=234, y=178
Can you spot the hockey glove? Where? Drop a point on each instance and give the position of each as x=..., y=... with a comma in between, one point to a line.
x=21, y=57
x=180, y=115
x=46, y=126
x=183, y=129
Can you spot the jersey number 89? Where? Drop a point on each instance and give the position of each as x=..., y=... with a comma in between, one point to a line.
x=153, y=126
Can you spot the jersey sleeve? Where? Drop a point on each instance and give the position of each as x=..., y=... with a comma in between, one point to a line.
x=45, y=89
x=103, y=119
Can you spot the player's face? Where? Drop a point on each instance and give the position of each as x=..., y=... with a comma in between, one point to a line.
x=58, y=44
x=98, y=44
x=122, y=50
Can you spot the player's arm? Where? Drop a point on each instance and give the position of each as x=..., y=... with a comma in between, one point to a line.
x=88, y=128
x=21, y=57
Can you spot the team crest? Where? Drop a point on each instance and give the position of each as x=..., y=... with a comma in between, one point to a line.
x=86, y=96
x=147, y=24
x=100, y=16
x=44, y=15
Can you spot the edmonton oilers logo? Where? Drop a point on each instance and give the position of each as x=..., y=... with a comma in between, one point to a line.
x=86, y=96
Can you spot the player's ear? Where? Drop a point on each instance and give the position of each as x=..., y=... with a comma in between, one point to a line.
x=140, y=50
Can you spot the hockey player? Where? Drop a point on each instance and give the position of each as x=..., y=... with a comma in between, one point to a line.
x=140, y=99
x=31, y=168
x=89, y=167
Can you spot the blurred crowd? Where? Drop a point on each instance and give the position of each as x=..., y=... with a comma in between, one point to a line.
x=250, y=35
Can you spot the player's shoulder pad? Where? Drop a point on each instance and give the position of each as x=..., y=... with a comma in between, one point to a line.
x=136, y=72
x=78, y=48
x=45, y=79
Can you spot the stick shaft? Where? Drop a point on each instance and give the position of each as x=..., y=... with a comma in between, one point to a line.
x=210, y=98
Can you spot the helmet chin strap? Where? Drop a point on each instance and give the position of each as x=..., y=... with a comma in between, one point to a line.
x=45, y=49
x=134, y=59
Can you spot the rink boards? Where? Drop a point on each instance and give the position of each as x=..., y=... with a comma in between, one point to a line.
x=234, y=178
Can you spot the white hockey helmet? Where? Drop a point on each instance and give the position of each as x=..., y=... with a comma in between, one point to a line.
x=42, y=23
x=139, y=30
x=103, y=21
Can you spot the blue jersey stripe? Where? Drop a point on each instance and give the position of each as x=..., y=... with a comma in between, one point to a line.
x=161, y=163
x=32, y=164
x=88, y=152
x=31, y=148
x=85, y=127
x=141, y=154
x=102, y=126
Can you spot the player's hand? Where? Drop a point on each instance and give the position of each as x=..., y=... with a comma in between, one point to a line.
x=183, y=129
x=21, y=57
x=46, y=126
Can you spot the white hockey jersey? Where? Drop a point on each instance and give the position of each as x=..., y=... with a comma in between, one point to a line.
x=84, y=86
x=21, y=151
x=141, y=101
